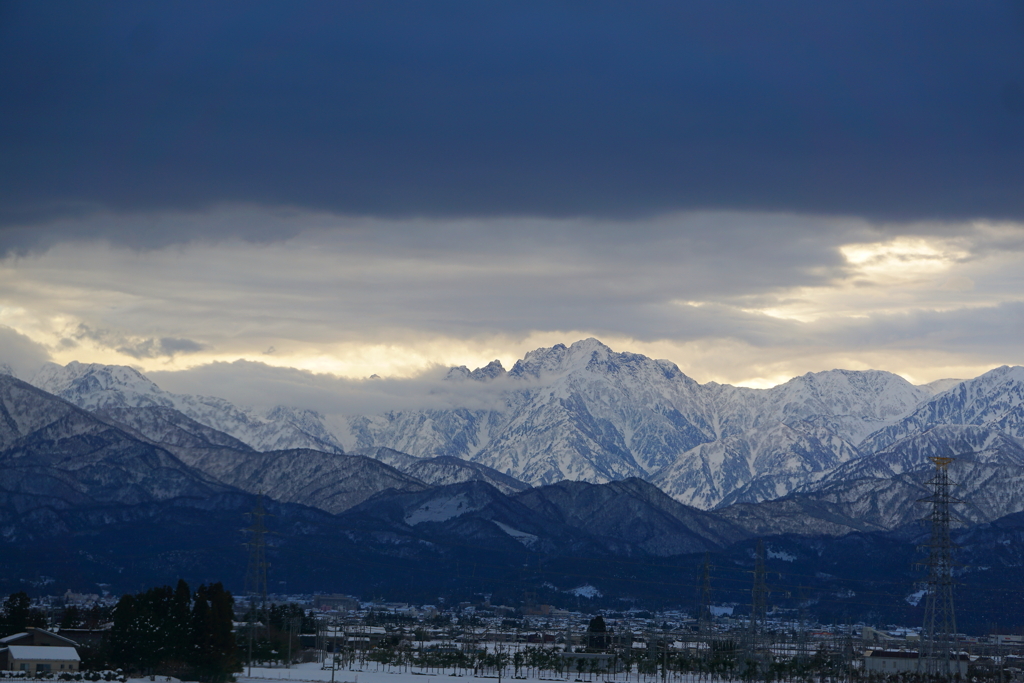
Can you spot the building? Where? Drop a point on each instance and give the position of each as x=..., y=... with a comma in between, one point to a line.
x=335, y=602
x=37, y=637
x=39, y=659
x=888, y=662
x=37, y=651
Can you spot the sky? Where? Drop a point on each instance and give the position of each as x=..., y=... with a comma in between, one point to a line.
x=752, y=190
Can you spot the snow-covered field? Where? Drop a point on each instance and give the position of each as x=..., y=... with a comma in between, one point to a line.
x=313, y=673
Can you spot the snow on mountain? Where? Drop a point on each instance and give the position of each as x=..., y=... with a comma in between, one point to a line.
x=582, y=412
x=851, y=404
x=940, y=385
x=329, y=481
x=995, y=398
x=585, y=412
x=444, y=470
x=977, y=443
x=54, y=455
x=989, y=491
x=104, y=387
x=754, y=465
x=169, y=428
x=632, y=511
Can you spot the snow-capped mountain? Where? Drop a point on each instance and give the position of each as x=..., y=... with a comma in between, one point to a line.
x=444, y=470
x=54, y=455
x=587, y=413
x=106, y=387
x=332, y=482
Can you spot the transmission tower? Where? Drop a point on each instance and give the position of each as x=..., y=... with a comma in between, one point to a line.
x=256, y=572
x=704, y=613
x=759, y=600
x=938, y=637
x=801, y=634
x=704, y=608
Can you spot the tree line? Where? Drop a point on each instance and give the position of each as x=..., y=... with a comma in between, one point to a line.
x=174, y=631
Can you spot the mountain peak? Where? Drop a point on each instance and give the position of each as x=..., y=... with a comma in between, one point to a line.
x=492, y=370
x=94, y=385
x=560, y=359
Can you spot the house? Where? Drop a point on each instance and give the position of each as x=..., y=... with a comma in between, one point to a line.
x=39, y=659
x=37, y=636
x=37, y=650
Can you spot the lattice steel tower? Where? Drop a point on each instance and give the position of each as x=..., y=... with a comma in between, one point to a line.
x=704, y=609
x=256, y=573
x=758, y=604
x=938, y=636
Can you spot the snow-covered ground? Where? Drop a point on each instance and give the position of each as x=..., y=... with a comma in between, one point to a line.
x=314, y=673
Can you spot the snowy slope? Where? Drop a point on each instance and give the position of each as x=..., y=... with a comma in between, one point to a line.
x=105, y=387
x=444, y=470
x=54, y=455
x=329, y=481
x=995, y=398
x=587, y=413
x=989, y=491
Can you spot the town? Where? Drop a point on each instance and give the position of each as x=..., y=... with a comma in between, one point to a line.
x=330, y=637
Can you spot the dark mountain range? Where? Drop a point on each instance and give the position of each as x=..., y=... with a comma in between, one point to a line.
x=442, y=469
x=131, y=496
x=632, y=512
x=54, y=455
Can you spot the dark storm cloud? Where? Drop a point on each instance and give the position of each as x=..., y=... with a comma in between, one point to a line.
x=19, y=354
x=136, y=347
x=893, y=110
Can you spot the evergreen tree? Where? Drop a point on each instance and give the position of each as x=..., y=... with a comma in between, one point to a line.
x=214, y=653
x=175, y=632
x=597, y=638
x=121, y=641
x=72, y=617
x=18, y=614
x=180, y=623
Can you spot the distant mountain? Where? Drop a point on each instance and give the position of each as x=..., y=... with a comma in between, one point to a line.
x=619, y=519
x=54, y=455
x=329, y=481
x=995, y=399
x=444, y=470
x=107, y=387
x=587, y=413
x=632, y=514
x=169, y=427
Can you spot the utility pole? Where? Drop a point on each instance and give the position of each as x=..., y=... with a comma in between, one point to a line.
x=256, y=571
x=334, y=652
x=938, y=637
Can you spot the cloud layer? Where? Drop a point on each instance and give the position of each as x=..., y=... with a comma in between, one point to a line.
x=750, y=298
x=750, y=190
x=466, y=109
